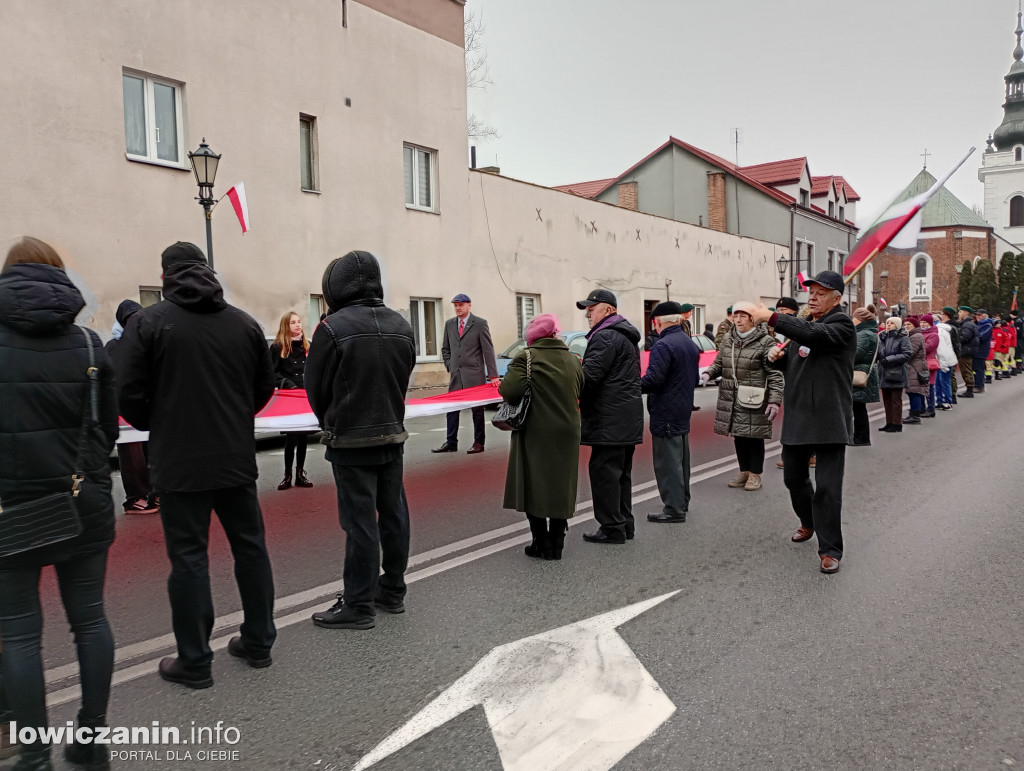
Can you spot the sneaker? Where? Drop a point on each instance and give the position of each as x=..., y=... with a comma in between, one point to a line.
x=238, y=649
x=341, y=616
x=389, y=604
x=753, y=483
x=740, y=480
x=140, y=506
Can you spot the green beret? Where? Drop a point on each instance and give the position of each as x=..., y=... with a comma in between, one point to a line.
x=967, y=308
x=687, y=307
x=772, y=310
x=949, y=310
x=729, y=311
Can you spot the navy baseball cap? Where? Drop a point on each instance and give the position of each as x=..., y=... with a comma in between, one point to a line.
x=828, y=279
x=598, y=296
x=461, y=298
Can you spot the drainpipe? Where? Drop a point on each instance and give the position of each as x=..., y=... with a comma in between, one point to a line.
x=792, y=245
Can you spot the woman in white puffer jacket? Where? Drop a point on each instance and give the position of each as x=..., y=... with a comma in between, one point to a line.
x=947, y=362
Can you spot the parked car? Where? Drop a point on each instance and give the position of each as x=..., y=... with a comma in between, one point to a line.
x=577, y=342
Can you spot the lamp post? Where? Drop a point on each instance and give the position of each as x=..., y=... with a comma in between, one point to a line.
x=782, y=264
x=875, y=294
x=204, y=165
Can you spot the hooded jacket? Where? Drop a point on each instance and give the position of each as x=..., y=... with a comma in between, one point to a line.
x=968, y=338
x=611, y=408
x=984, y=339
x=917, y=367
x=947, y=353
x=125, y=311
x=195, y=371
x=360, y=359
x=893, y=356
x=43, y=389
x=751, y=369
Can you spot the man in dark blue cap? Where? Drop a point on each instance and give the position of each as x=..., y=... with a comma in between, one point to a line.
x=818, y=417
x=468, y=355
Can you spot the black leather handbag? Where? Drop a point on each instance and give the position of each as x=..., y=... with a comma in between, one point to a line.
x=510, y=417
x=53, y=518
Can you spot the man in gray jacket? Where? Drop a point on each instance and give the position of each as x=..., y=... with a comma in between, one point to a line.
x=468, y=355
x=818, y=417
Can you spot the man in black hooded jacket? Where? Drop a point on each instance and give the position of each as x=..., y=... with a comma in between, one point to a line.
x=357, y=374
x=194, y=373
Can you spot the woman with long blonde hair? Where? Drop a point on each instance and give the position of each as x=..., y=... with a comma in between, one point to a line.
x=288, y=352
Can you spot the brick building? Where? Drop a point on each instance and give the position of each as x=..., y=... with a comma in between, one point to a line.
x=926, y=277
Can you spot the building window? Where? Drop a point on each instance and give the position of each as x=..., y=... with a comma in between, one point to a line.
x=317, y=308
x=150, y=295
x=308, y=153
x=1017, y=154
x=921, y=277
x=805, y=199
x=420, y=178
x=527, y=306
x=835, y=260
x=803, y=263
x=831, y=209
x=152, y=119
x=425, y=315
x=1017, y=211
x=842, y=213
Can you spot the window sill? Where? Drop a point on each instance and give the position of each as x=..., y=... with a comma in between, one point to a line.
x=314, y=192
x=151, y=162
x=423, y=209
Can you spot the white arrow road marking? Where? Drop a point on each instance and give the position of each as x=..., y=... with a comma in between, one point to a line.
x=550, y=698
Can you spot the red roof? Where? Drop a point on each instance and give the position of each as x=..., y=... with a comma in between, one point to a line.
x=777, y=172
x=851, y=194
x=587, y=189
x=820, y=186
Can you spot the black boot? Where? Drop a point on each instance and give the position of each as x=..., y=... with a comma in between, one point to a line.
x=286, y=483
x=95, y=757
x=34, y=759
x=540, y=547
x=913, y=418
x=556, y=533
x=301, y=480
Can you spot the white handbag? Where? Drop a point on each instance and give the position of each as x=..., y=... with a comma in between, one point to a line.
x=751, y=397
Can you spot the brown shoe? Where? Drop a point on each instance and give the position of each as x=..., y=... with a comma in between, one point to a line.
x=740, y=480
x=753, y=483
x=802, y=534
x=477, y=447
x=829, y=564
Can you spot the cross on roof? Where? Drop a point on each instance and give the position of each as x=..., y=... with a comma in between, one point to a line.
x=926, y=154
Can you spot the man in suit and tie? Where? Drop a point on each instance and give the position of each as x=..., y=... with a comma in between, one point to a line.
x=468, y=355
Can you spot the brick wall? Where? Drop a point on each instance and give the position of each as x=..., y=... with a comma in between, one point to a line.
x=716, y=201
x=947, y=252
x=628, y=195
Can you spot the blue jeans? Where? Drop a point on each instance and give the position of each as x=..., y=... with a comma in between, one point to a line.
x=944, y=386
x=916, y=402
x=931, y=397
x=21, y=627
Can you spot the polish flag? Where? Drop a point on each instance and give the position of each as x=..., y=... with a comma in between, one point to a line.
x=899, y=225
x=801, y=277
x=882, y=302
x=237, y=197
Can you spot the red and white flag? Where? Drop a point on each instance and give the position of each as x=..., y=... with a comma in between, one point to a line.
x=237, y=198
x=899, y=225
x=801, y=279
x=882, y=302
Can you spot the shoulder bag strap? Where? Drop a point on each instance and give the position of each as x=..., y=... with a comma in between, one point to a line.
x=90, y=415
x=529, y=366
x=735, y=380
x=878, y=344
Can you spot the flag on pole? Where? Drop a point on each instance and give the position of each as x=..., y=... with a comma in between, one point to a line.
x=882, y=302
x=801, y=278
x=237, y=197
x=902, y=219
x=1013, y=305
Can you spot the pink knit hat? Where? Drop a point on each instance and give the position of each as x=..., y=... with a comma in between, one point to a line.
x=544, y=325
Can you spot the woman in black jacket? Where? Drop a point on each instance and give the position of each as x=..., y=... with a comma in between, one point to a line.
x=44, y=387
x=894, y=353
x=288, y=352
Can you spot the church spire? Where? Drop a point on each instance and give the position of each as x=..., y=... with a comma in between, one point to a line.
x=1011, y=130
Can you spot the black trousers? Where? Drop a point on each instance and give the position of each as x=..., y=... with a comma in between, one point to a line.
x=750, y=454
x=295, y=450
x=478, y=427
x=819, y=506
x=21, y=627
x=611, y=485
x=861, y=426
x=671, y=456
x=186, y=521
x=979, y=373
x=375, y=516
x=131, y=459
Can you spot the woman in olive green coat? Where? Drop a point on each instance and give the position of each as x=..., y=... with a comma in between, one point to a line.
x=543, y=461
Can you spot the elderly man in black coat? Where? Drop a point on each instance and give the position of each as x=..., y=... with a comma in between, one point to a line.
x=669, y=382
x=818, y=418
x=611, y=414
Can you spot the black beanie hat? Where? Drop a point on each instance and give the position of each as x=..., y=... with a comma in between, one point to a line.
x=182, y=252
x=126, y=310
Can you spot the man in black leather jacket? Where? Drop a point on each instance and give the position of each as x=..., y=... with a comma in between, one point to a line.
x=357, y=374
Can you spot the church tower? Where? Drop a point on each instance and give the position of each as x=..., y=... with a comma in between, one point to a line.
x=1002, y=170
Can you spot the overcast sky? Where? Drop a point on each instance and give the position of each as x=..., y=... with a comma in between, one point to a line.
x=583, y=89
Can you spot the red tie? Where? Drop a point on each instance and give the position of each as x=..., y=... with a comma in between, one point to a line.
x=462, y=326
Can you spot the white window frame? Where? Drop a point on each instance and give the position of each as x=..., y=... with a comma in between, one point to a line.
x=521, y=298
x=416, y=205
x=799, y=264
x=836, y=257
x=928, y=278
x=417, y=309
x=151, y=129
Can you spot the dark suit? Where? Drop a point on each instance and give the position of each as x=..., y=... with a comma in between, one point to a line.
x=470, y=362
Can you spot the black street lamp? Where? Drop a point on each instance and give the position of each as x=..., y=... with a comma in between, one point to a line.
x=204, y=165
x=782, y=263
x=875, y=294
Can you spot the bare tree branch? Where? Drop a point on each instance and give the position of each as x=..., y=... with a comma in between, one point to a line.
x=477, y=73
x=479, y=131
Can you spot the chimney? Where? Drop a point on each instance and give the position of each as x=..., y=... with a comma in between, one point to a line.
x=472, y=157
x=716, y=201
x=628, y=195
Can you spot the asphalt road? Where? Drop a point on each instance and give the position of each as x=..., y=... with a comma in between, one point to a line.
x=909, y=658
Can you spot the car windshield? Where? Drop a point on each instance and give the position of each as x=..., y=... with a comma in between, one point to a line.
x=518, y=347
